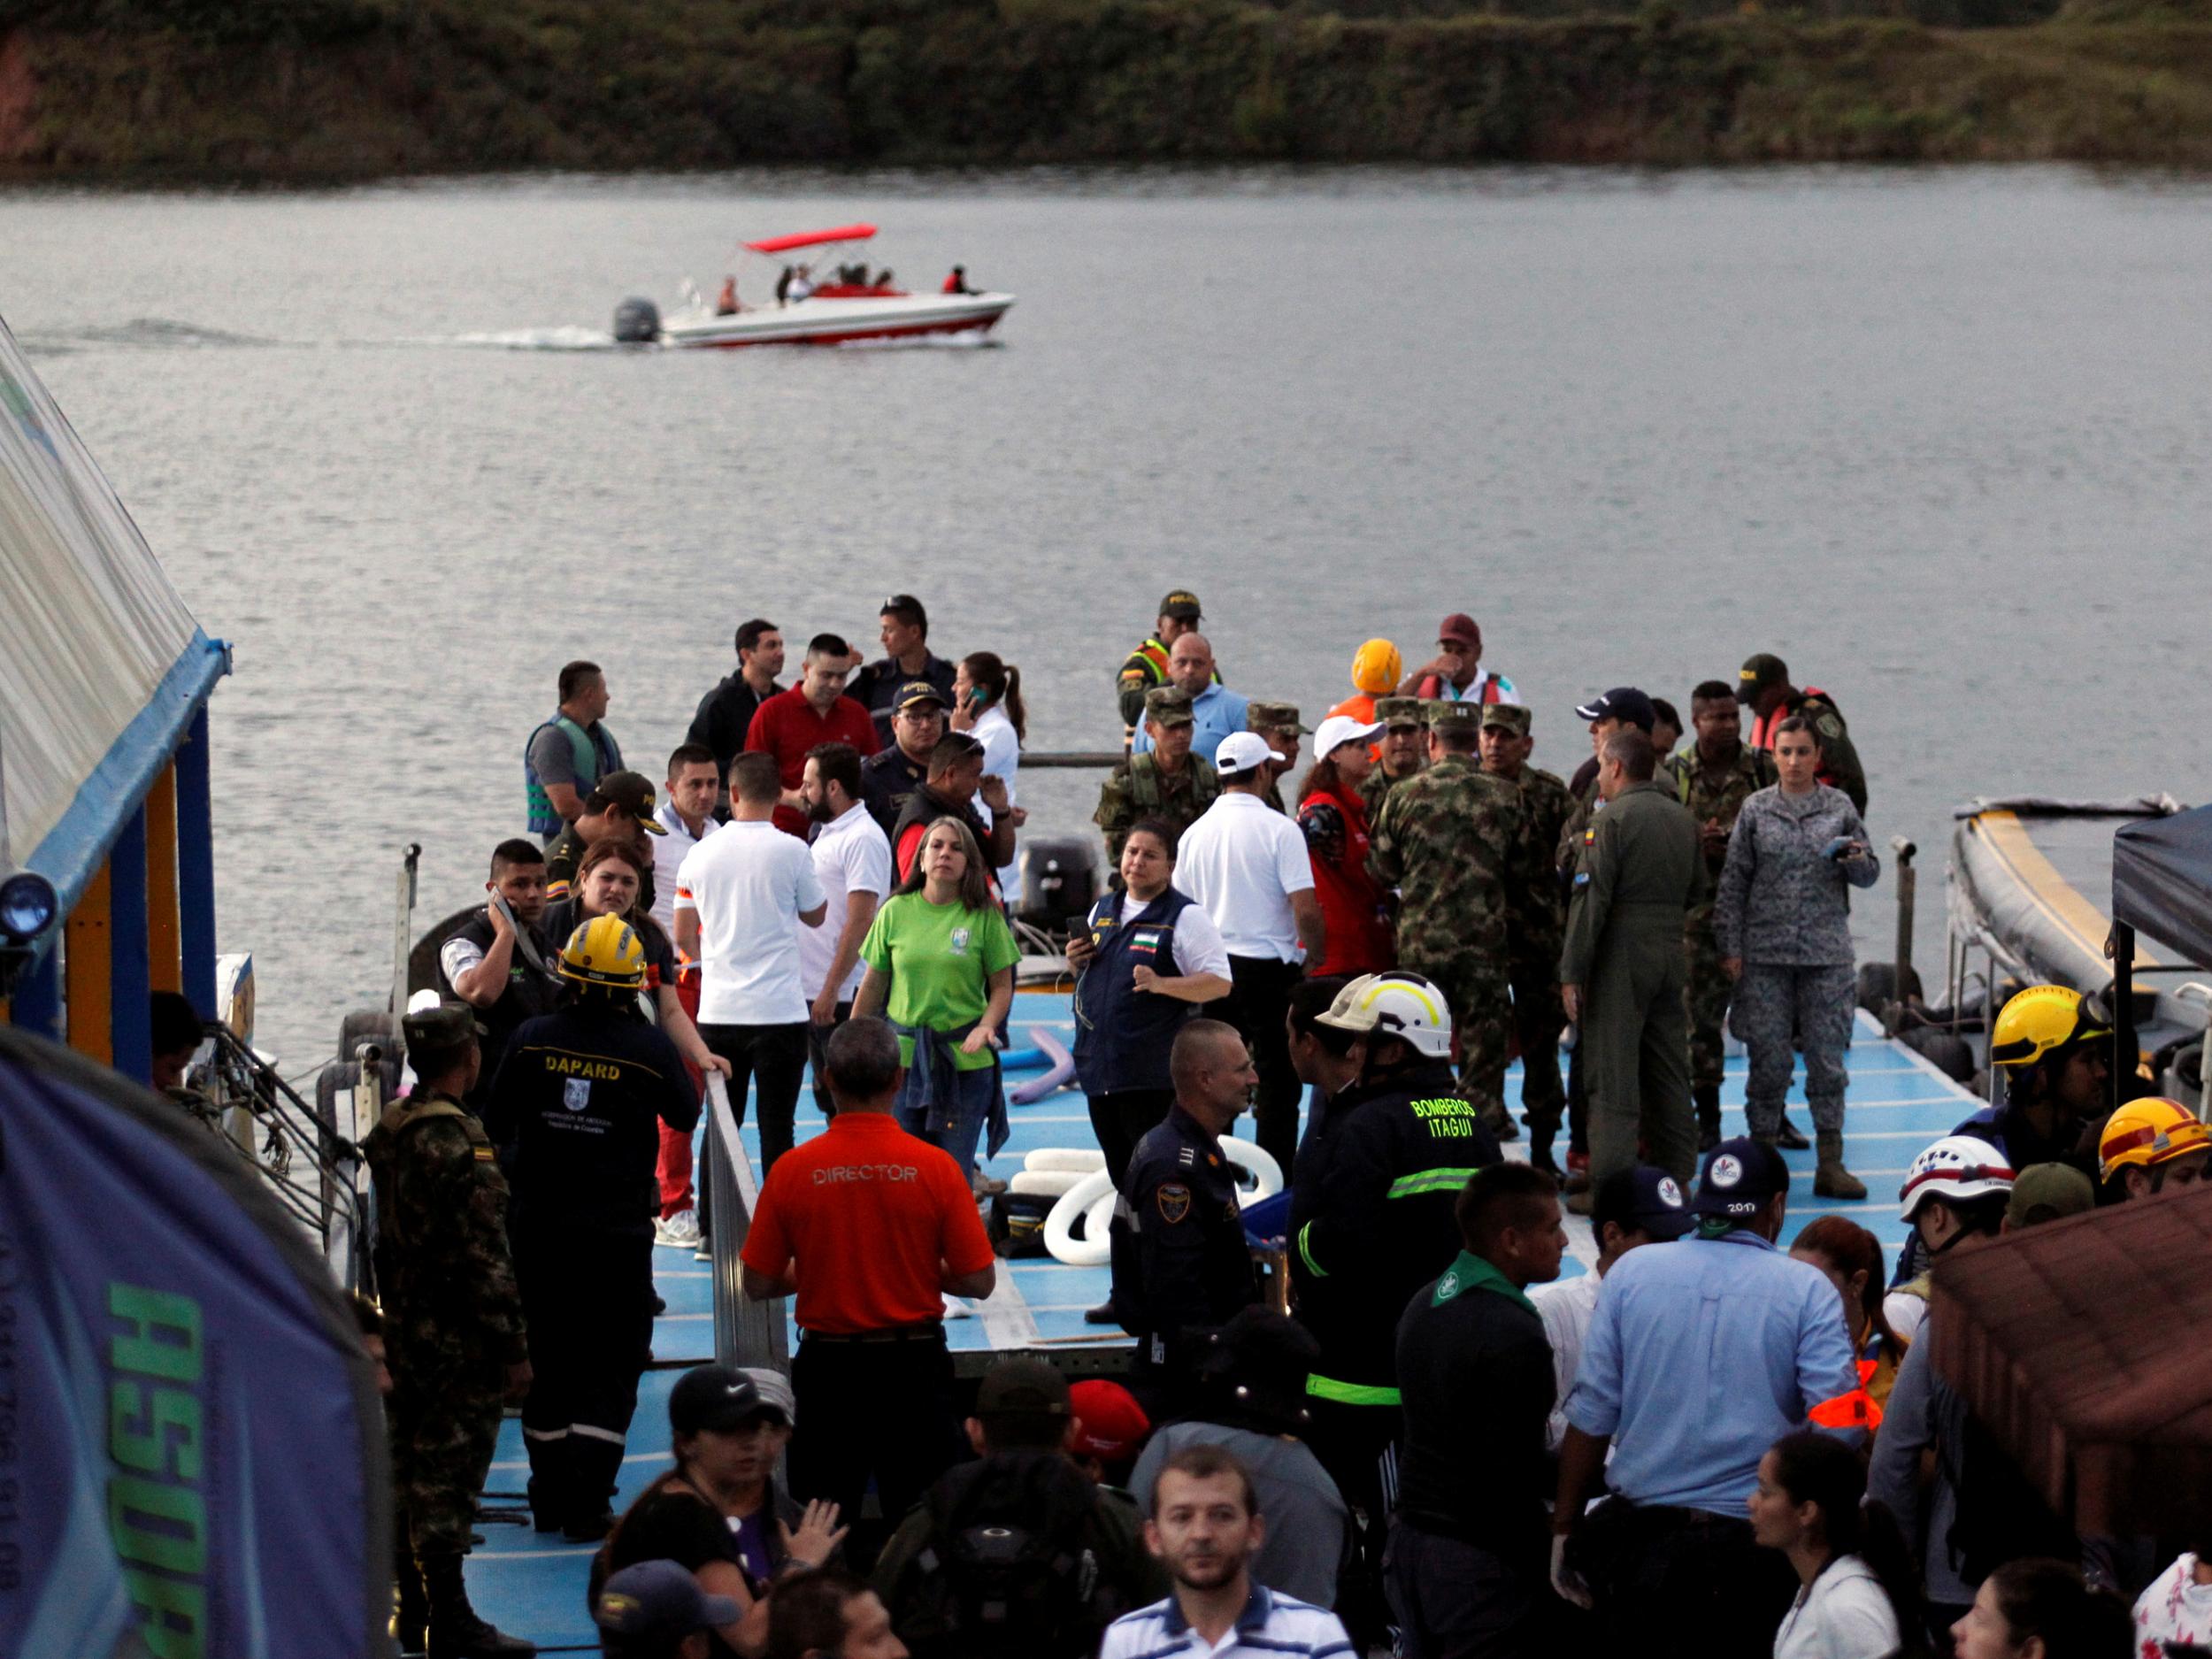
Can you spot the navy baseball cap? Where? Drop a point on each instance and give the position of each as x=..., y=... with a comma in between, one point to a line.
x=1642, y=1200
x=1622, y=703
x=1740, y=1176
x=659, y=1600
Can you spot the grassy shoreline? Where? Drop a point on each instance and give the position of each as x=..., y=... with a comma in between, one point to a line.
x=334, y=90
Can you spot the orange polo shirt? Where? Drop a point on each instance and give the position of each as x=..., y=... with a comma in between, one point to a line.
x=865, y=1211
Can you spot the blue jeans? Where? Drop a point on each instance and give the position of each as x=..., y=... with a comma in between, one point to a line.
x=944, y=1106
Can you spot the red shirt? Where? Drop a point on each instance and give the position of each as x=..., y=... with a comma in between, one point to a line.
x=786, y=725
x=866, y=1211
x=1356, y=938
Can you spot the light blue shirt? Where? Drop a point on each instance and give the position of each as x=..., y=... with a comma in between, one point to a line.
x=1215, y=713
x=1700, y=1354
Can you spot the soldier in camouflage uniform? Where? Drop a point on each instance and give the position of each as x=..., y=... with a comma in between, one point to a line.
x=1763, y=684
x=1536, y=920
x=1403, y=749
x=453, y=1324
x=1444, y=840
x=1278, y=724
x=1713, y=779
x=1166, y=782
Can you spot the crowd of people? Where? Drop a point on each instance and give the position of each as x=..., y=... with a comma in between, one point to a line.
x=1419, y=1438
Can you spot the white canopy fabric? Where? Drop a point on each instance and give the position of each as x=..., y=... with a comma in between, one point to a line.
x=90, y=625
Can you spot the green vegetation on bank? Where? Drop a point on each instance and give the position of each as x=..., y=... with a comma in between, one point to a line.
x=348, y=88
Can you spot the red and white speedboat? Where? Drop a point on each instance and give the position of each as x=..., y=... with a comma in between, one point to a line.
x=845, y=302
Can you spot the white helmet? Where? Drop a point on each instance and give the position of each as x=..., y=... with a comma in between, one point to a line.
x=1395, y=1004
x=1958, y=1167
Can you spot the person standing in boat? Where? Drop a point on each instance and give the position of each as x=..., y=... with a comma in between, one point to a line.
x=1764, y=684
x=956, y=283
x=1782, y=921
x=569, y=753
x=726, y=302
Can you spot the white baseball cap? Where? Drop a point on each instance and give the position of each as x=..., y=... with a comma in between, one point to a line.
x=1340, y=729
x=1240, y=752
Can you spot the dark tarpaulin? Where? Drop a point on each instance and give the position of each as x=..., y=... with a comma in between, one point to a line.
x=2162, y=881
x=2080, y=1344
x=193, y=1438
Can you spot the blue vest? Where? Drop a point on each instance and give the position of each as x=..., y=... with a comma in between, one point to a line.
x=1123, y=1035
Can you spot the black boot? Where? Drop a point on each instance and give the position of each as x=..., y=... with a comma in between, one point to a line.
x=455, y=1633
x=411, y=1625
x=593, y=1465
x=1707, y=1095
x=1789, y=1136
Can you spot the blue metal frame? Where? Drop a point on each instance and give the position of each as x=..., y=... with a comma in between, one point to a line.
x=196, y=868
x=130, y=978
x=37, y=1005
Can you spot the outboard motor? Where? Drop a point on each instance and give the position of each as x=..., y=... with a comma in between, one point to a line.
x=637, y=322
x=1059, y=881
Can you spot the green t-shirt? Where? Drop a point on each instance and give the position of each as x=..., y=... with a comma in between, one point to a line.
x=940, y=958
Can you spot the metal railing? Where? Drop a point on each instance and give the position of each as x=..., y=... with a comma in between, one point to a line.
x=746, y=1333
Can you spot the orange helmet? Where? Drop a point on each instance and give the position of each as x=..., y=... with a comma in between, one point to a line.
x=2148, y=1132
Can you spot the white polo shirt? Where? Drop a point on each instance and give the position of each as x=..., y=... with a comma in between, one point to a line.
x=669, y=852
x=1272, y=1626
x=749, y=881
x=1242, y=860
x=851, y=855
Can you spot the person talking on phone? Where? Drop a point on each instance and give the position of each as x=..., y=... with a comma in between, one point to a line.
x=499, y=961
x=986, y=697
x=1782, y=921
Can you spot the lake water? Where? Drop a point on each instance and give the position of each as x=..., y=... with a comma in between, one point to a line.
x=1937, y=438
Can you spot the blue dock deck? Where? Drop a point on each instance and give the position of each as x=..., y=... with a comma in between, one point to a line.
x=532, y=1584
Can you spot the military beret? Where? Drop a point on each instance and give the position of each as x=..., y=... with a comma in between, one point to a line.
x=1455, y=717
x=1170, y=706
x=1272, y=716
x=1399, y=710
x=448, y=1025
x=1509, y=717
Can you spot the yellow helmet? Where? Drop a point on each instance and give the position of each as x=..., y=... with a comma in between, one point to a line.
x=606, y=952
x=2149, y=1132
x=2042, y=1018
x=1377, y=668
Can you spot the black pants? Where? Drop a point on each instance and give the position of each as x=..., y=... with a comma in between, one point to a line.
x=1122, y=1119
x=775, y=1057
x=1258, y=1002
x=818, y=1057
x=587, y=1295
x=1455, y=1600
x=1358, y=1448
x=1682, y=1583
x=880, y=1410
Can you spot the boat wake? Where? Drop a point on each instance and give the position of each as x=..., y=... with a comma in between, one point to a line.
x=572, y=338
x=141, y=334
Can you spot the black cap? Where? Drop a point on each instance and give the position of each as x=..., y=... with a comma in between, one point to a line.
x=1022, y=1388
x=1622, y=703
x=716, y=1398
x=1761, y=670
x=1642, y=1200
x=633, y=792
x=1182, y=604
x=918, y=691
x=1740, y=1176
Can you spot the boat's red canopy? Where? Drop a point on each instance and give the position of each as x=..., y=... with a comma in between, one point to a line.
x=812, y=239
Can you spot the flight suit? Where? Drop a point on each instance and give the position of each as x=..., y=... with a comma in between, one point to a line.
x=1711, y=798
x=1181, y=1264
x=581, y=1097
x=1640, y=871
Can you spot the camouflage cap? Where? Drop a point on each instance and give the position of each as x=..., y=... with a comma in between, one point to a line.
x=1761, y=670
x=1272, y=716
x=1455, y=717
x=447, y=1025
x=1509, y=717
x=1170, y=706
x=1398, y=711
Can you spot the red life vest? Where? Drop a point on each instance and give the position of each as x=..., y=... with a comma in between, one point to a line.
x=1762, y=737
x=1356, y=937
x=1431, y=685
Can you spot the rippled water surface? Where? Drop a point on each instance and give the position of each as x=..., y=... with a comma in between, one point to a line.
x=1937, y=438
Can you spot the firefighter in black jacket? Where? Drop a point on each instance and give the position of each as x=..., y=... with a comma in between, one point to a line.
x=1181, y=1263
x=1370, y=1223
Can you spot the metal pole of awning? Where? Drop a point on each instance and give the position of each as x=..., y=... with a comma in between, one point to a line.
x=2125, y=1058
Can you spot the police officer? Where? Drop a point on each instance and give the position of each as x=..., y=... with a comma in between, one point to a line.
x=1167, y=781
x=1278, y=724
x=1145, y=668
x=1764, y=683
x=1713, y=779
x=1536, y=921
x=1370, y=1223
x=453, y=1327
x=577, y=1097
x=1445, y=840
x=1181, y=1265
x=1621, y=969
